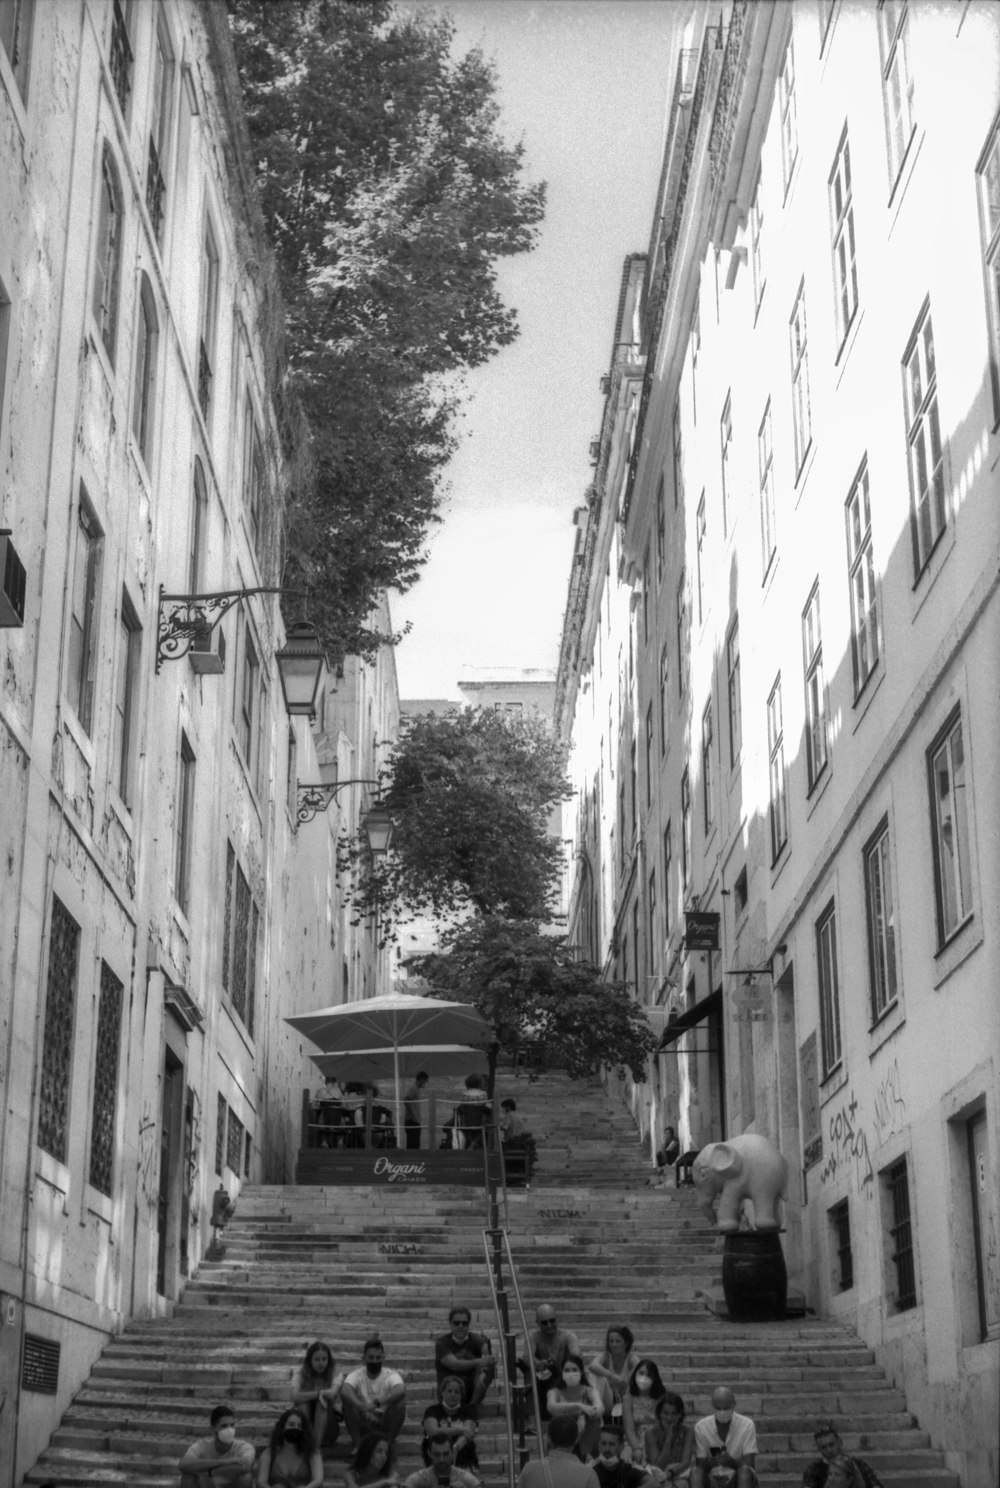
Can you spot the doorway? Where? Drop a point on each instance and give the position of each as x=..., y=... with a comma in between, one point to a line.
x=171, y=1095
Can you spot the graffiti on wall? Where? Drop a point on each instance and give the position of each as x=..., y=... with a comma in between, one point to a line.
x=148, y=1173
x=849, y=1148
x=889, y=1111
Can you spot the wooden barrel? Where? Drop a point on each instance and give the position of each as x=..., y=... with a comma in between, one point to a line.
x=754, y=1278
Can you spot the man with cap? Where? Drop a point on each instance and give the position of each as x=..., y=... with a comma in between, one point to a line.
x=725, y=1446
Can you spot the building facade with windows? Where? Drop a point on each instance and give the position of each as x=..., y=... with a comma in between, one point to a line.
x=815, y=704
x=162, y=910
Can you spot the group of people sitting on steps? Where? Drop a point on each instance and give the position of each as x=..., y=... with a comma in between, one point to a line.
x=611, y=1423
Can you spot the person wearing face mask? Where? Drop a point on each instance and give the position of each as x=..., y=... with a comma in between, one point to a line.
x=639, y=1402
x=612, y=1368
x=291, y=1458
x=611, y=1468
x=218, y=1459
x=725, y=1446
x=374, y=1398
x=577, y=1398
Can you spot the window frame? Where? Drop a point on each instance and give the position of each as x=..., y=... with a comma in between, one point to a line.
x=788, y=113
x=682, y=621
x=664, y=697
x=15, y=43
x=923, y=432
x=839, y=1219
x=686, y=843
x=147, y=336
x=184, y=819
x=707, y=772
x=843, y=245
x=817, y=739
x=756, y=227
x=81, y=669
x=253, y=474
x=988, y=191
x=899, y=1233
x=701, y=535
x=865, y=608
x=725, y=456
x=651, y=920
x=120, y=54
x=897, y=79
x=734, y=692
x=777, y=778
x=883, y=972
x=208, y=314
x=828, y=991
x=240, y=943
x=106, y=291
x=126, y=700
x=668, y=862
x=161, y=89
x=104, y=1096
x=661, y=529
x=798, y=351
x=943, y=740
x=765, y=482
x=677, y=452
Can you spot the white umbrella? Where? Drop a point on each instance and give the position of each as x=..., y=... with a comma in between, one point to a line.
x=393, y=1022
x=379, y=1064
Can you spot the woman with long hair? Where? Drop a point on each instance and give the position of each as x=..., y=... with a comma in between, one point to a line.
x=575, y=1397
x=316, y=1388
x=612, y=1368
x=645, y=1388
x=291, y=1458
x=371, y=1465
x=450, y=1416
x=668, y=1442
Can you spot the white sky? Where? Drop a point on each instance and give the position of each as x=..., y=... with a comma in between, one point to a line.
x=585, y=84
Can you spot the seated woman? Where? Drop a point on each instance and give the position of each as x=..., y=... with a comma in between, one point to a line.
x=612, y=1368
x=645, y=1389
x=577, y=1398
x=451, y=1416
x=669, y=1444
x=370, y=1466
x=316, y=1389
x=471, y=1114
x=291, y=1458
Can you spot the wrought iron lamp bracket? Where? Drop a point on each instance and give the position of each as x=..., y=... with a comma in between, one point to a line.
x=181, y=618
x=312, y=799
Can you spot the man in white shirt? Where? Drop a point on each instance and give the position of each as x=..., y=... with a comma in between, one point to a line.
x=725, y=1446
x=219, y=1460
x=373, y=1398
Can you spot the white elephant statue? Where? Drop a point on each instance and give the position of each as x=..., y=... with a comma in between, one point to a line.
x=747, y=1167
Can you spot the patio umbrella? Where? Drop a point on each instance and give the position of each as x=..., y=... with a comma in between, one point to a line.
x=393, y=1022
x=379, y=1064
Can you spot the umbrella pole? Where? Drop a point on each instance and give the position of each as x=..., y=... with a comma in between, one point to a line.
x=400, y=1138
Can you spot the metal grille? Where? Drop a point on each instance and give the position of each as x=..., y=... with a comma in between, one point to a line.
x=241, y=947
x=155, y=189
x=228, y=923
x=220, y=1134
x=57, y=1049
x=902, y=1236
x=841, y=1221
x=234, y=1144
x=204, y=379
x=40, y=1365
x=102, y=1140
x=121, y=55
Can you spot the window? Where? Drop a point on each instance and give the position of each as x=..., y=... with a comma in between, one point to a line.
x=121, y=51
x=897, y=81
x=239, y=951
x=649, y=754
x=57, y=1040
x=881, y=922
x=253, y=474
x=812, y=666
x=845, y=273
x=923, y=438
x=83, y=617
x=105, y=1077
x=840, y=1234
x=199, y=514
x=661, y=531
x=897, y=1189
x=220, y=1132
x=159, y=131
x=234, y=1143
x=989, y=217
x=184, y=825
x=826, y=9
x=756, y=228
x=623, y=820
x=700, y=538
x=950, y=825
x=124, y=720
x=664, y=698
x=726, y=447
x=864, y=603
x=765, y=478
x=789, y=117
x=695, y=352
x=677, y=454
x=741, y=892
x=248, y=721
x=707, y=780
x=208, y=313
x=983, y=1205
x=776, y=770
x=633, y=772
x=733, y=690
x=651, y=911
x=635, y=944
x=685, y=831
x=15, y=38
x=801, y=409
x=107, y=260
x=645, y=598
x=829, y=989
x=146, y=336
x=681, y=634
x=668, y=859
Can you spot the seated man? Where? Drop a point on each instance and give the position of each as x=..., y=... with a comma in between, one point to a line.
x=550, y=1346
x=442, y=1472
x=611, y=1469
x=218, y=1459
x=834, y=1469
x=466, y=1354
x=725, y=1446
x=373, y=1398
x=561, y=1468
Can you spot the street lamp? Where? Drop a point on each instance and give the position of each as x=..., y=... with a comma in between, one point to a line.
x=314, y=798
x=302, y=667
x=185, y=622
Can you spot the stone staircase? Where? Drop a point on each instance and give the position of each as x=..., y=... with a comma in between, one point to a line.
x=589, y=1237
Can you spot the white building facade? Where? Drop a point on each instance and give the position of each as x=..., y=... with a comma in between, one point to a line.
x=161, y=908
x=809, y=537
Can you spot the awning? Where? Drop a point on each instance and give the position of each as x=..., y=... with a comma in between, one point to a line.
x=688, y=1019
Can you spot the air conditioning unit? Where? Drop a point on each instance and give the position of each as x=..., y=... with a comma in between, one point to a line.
x=208, y=650
x=595, y=451
x=14, y=581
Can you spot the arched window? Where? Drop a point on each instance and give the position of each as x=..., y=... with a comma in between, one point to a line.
x=108, y=255
x=199, y=508
x=146, y=336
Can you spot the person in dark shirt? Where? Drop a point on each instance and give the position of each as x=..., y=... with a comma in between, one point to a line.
x=834, y=1469
x=465, y=1354
x=611, y=1470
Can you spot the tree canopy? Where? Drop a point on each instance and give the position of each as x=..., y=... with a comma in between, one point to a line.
x=389, y=194
x=470, y=796
x=543, y=1006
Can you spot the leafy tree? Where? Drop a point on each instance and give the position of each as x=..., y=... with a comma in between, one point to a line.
x=542, y=1005
x=470, y=796
x=389, y=195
